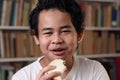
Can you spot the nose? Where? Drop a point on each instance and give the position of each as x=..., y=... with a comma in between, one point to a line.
x=57, y=39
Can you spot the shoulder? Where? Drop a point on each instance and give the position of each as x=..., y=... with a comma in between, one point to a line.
x=94, y=67
x=27, y=71
x=89, y=64
x=86, y=61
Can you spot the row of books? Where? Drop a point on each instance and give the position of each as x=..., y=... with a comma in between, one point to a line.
x=15, y=12
x=101, y=14
x=19, y=44
x=94, y=42
x=100, y=42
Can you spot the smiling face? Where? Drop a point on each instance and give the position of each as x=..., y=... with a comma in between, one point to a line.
x=57, y=35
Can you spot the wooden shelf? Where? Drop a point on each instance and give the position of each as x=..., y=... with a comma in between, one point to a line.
x=20, y=28
x=6, y=60
x=109, y=1
x=14, y=28
x=30, y=59
x=103, y=29
x=113, y=55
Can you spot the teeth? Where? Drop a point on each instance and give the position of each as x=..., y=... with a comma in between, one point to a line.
x=58, y=50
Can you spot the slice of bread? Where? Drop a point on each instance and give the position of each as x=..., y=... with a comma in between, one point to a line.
x=60, y=66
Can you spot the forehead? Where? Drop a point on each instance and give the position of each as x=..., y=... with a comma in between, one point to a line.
x=54, y=11
x=54, y=17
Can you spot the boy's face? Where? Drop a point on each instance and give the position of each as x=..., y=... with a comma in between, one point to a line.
x=57, y=35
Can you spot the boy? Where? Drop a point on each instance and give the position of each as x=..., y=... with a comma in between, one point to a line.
x=56, y=26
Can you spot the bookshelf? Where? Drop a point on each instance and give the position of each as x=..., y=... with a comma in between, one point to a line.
x=102, y=34
x=12, y=27
x=101, y=26
x=14, y=35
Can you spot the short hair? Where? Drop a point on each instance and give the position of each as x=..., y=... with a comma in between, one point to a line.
x=69, y=6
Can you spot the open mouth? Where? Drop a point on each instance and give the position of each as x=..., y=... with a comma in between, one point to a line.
x=58, y=52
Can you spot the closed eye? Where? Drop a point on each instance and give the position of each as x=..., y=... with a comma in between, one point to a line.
x=66, y=31
x=47, y=33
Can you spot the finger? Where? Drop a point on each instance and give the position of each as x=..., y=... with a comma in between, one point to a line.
x=44, y=70
x=50, y=75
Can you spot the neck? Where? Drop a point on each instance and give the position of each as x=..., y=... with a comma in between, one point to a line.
x=44, y=62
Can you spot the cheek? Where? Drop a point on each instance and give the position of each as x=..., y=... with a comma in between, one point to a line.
x=72, y=42
x=43, y=43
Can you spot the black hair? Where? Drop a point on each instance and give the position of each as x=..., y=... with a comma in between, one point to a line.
x=69, y=6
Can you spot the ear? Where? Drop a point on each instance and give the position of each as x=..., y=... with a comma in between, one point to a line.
x=80, y=37
x=36, y=40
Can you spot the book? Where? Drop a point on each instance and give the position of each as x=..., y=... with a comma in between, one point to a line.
x=111, y=43
x=13, y=21
x=1, y=45
x=104, y=43
x=107, y=12
x=88, y=43
x=6, y=72
x=89, y=15
x=97, y=42
x=13, y=12
x=118, y=17
x=117, y=40
x=7, y=48
x=13, y=44
x=117, y=61
x=114, y=16
x=96, y=15
x=1, y=7
x=25, y=13
x=4, y=12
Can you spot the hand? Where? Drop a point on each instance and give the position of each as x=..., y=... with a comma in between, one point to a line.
x=44, y=76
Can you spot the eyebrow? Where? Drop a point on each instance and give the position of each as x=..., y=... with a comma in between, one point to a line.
x=46, y=28
x=65, y=26
x=62, y=27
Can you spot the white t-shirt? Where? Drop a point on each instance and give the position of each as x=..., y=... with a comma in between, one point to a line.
x=83, y=69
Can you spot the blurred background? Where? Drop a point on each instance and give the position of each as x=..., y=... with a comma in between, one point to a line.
x=101, y=41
